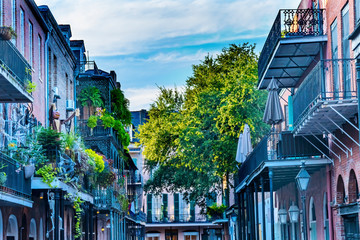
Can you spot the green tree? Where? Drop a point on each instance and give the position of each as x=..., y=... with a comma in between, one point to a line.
x=191, y=138
x=120, y=106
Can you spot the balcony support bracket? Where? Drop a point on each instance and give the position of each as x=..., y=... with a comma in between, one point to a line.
x=333, y=136
x=345, y=151
x=318, y=149
x=342, y=130
x=325, y=145
x=344, y=118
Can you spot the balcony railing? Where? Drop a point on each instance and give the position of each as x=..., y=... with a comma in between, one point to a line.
x=98, y=131
x=134, y=179
x=105, y=199
x=83, y=66
x=333, y=79
x=15, y=183
x=173, y=218
x=13, y=62
x=290, y=23
x=278, y=147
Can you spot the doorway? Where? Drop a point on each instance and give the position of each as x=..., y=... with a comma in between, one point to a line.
x=351, y=225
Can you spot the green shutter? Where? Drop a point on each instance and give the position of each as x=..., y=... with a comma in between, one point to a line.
x=165, y=206
x=149, y=208
x=176, y=205
x=192, y=211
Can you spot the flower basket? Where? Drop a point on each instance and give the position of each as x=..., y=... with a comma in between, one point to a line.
x=5, y=33
x=29, y=171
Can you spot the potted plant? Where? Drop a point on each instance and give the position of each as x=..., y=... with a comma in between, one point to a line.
x=6, y=33
x=3, y=178
x=29, y=171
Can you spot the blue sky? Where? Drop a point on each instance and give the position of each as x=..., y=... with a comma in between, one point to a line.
x=156, y=42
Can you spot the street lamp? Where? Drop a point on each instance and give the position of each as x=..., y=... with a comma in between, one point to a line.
x=294, y=218
x=302, y=180
x=282, y=216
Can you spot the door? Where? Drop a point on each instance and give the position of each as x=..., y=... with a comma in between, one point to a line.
x=351, y=225
x=171, y=234
x=346, y=52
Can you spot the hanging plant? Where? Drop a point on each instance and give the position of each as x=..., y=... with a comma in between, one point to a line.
x=124, y=202
x=120, y=106
x=92, y=121
x=78, y=211
x=95, y=160
x=30, y=86
x=48, y=174
x=108, y=121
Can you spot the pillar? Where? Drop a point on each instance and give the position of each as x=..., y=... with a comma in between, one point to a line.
x=271, y=204
x=263, y=225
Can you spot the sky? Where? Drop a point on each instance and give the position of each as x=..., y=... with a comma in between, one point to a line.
x=151, y=43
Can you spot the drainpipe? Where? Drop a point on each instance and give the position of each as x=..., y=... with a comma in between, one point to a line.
x=46, y=57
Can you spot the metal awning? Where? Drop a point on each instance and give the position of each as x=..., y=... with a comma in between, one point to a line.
x=284, y=171
x=290, y=59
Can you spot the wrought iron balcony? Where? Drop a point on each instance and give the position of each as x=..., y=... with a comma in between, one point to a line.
x=135, y=179
x=98, y=131
x=329, y=89
x=176, y=218
x=15, y=72
x=280, y=147
x=105, y=199
x=294, y=40
x=14, y=184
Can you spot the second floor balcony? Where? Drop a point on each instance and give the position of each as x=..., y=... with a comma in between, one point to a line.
x=326, y=98
x=176, y=218
x=282, y=152
x=15, y=75
x=15, y=189
x=292, y=45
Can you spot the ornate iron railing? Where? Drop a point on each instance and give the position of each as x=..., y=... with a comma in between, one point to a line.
x=15, y=182
x=105, y=199
x=173, y=218
x=277, y=147
x=291, y=23
x=332, y=79
x=14, y=63
x=98, y=131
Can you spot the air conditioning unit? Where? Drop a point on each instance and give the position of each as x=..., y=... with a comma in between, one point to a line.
x=70, y=106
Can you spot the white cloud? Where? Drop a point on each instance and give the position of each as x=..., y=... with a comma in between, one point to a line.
x=140, y=98
x=111, y=27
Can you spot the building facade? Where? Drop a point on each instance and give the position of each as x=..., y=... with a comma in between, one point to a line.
x=310, y=53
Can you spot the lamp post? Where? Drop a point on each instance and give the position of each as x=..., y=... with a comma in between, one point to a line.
x=302, y=180
x=294, y=218
x=283, y=220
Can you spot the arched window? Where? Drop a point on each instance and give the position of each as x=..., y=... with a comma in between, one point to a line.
x=12, y=228
x=340, y=191
x=312, y=219
x=353, y=187
x=32, y=233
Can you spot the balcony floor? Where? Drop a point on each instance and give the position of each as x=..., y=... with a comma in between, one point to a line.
x=14, y=201
x=11, y=90
x=290, y=59
x=318, y=117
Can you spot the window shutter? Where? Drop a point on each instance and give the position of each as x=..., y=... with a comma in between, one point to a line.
x=192, y=211
x=176, y=206
x=165, y=205
x=149, y=208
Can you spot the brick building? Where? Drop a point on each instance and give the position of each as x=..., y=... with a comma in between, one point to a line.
x=310, y=53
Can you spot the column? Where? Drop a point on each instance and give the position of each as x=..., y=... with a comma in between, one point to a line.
x=256, y=209
x=271, y=204
x=263, y=225
x=91, y=222
x=239, y=217
x=57, y=214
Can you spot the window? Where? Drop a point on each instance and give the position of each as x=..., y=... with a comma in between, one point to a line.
x=335, y=55
x=13, y=18
x=22, y=31
x=346, y=50
x=357, y=12
x=1, y=12
x=191, y=235
x=153, y=236
x=40, y=56
x=31, y=45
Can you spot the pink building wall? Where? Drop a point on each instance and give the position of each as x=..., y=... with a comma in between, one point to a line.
x=38, y=78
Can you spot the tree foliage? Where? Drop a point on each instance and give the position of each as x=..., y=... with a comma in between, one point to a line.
x=120, y=106
x=191, y=137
